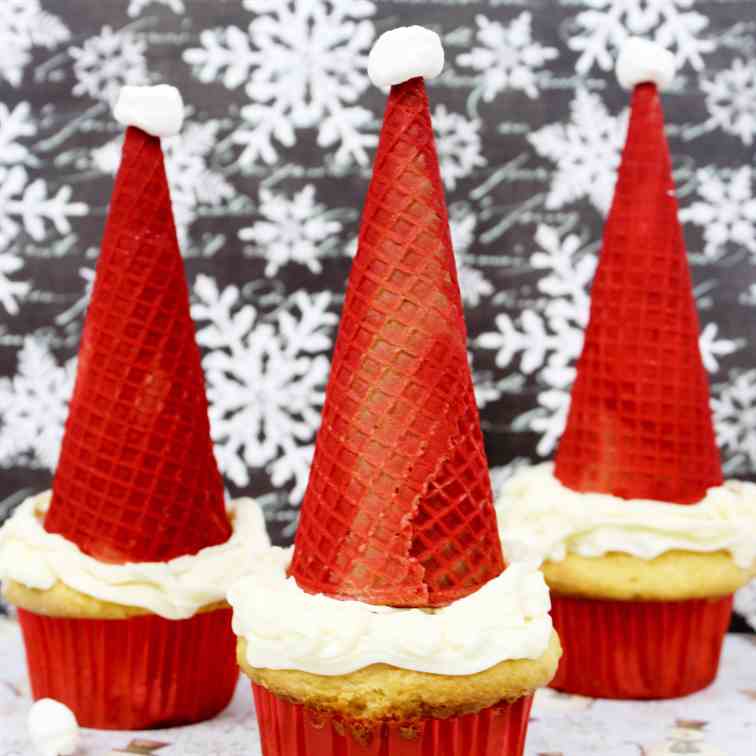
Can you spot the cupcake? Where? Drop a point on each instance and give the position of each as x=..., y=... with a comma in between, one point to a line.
x=642, y=542
x=120, y=572
x=393, y=626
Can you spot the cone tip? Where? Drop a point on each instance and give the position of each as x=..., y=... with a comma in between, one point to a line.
x=404, y=53
x=643, y=61
x=158, y=110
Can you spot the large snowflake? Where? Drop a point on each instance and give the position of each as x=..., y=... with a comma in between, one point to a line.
x=24, y=25
x=265, y=381
x=11, y=290
x=107, y=61
x=296, y=230
x=196, y=184
x=726, y=210
x=303, y=64
x=546, y=340
x=34, y=403
x=507, y=57
x=586, y=152
x=605, y=24
x=734, y=405
x=457, y=143
x=731, y=100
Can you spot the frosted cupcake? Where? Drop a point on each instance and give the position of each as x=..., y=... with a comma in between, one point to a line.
x=120, y=572
x=394, y=626
x=642, y=543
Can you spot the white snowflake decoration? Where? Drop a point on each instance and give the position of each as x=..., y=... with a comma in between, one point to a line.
x=731, y=100
x=108, y=61
x=25, y=204
x=265, y=381
x=586, y=152
x=734, y=407
x=600, y=30
x=296, y=230
x=726, y=210
x=507, y=57
x=34, y=403
x=546, y=341
x=458, y=145
x=11, y=291
x=473, y=284
x=137, y=6
x=304, y=65
x=15, y=124
x=23, y=26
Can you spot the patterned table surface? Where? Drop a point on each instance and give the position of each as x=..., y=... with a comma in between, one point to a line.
x=720, y=721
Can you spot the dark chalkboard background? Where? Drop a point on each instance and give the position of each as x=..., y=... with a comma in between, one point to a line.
x=269, y=175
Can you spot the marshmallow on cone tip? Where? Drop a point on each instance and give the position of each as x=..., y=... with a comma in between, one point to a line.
x=639, y=424
x=398, y=509
x=136, y=479
x=157, y=110
x=644, y=62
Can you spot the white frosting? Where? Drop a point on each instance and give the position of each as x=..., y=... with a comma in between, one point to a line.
x=641, y=60
x=287, y=628
x=540, y=519
x=157, y=110
x=404, y=53
x=53, y=728
x=175, y=589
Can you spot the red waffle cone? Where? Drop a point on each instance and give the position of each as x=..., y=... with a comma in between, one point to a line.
x=639, y=424
x=638, y=649
x=136, y=479
x=398, y=509
x=290, y=729
x=133, y=674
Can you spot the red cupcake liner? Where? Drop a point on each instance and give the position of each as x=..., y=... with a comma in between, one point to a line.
x=133, y=674
x=638, y=649
x=290, y=729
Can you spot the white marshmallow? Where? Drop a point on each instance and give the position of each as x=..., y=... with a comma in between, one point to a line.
x=404, y=53
x=157, y=110
x=641, y=60
x=53, y=728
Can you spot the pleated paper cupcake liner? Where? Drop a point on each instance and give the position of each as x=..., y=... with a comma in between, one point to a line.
x=289, y=729
x=133, y=674
x=638, y=649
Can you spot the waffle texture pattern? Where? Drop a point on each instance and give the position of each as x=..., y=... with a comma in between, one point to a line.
x=398, y=509
x=137, y=480
x=639, y=425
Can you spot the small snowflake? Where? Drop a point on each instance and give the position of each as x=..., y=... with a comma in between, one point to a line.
x=137, y=6
x=473, y=283
x=11, y=291
x=734, y=407
x=108, y=61
x=265, y=381
x=25, y=204
x=304, y=65
x=586, y=152
x=726, y=211
x=601, y=30
x=34, y=403
x=458, y=145
x=508, y=58
x=293, y=230
x=24, y=25
x=731, y=100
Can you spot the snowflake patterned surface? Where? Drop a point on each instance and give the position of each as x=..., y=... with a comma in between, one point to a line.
x=304, y=64
x=605, y=24
x=726, y=210
x=507, y=57
x=731, y=100
x=586, y=152
x=457, y=143
x=265, y=380
x=295, y=229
